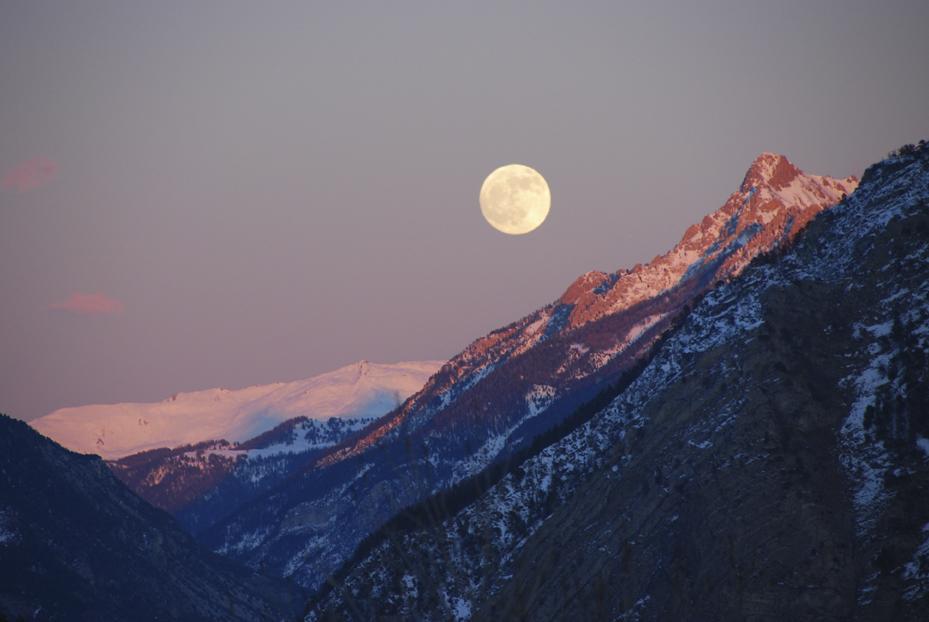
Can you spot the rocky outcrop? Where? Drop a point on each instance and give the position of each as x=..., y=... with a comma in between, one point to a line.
x=774, y=202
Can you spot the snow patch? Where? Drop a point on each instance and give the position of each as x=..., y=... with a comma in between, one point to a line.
x=917, y=570
x=461, y=609
x=601, y=358
x=409, y=584
x=865, y=459
x=8, y=533
x=923, y=444
x=539, y=398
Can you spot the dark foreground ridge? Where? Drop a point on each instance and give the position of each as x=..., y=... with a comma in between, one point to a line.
x=76, y=544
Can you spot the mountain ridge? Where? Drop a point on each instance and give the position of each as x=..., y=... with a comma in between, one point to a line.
x=767, y=462
x=759, y=201
x=114, y=431
x=76, y=544
x=508, y=387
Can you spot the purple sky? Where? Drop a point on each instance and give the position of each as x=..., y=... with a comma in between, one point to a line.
x=230, y=193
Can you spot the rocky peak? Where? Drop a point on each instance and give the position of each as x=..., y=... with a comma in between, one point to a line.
x=770, y=169
x=775, y=200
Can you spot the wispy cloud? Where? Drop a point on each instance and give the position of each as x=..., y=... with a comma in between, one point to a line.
x=29, y=175
x=89, y=304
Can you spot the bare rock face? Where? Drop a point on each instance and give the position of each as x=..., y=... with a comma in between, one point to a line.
x=518, y=382
x=767, y=461
x=774, y=202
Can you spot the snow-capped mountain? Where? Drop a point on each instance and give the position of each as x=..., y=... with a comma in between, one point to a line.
x=769, y=458
x=113, y=431
x=516, y=383
x=774, y=202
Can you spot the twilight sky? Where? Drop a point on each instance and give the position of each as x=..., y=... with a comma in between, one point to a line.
x=230, y=193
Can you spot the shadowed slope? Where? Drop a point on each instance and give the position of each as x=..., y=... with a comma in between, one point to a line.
x=75, y=544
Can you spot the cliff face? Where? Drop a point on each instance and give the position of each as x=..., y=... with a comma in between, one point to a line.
x=769, y=462
x=506, y=388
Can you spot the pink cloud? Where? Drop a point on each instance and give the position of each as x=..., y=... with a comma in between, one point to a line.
x=29, y=175
x=89, y=304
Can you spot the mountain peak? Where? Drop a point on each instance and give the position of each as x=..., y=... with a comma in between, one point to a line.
x=770, y=169
x=776, y=200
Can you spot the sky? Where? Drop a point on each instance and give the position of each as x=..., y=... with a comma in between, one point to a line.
x=233, y=193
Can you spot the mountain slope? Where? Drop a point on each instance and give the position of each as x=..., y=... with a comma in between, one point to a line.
x=203, y=483
x=75, y=544
x=769, y=462
x=517, y=382
x=117, y=430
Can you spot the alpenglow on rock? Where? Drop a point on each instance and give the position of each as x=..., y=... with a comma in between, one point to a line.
x=770, y=461
x=508, y=387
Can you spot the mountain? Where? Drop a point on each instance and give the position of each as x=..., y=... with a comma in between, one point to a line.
x=75, y=544
x=116, y=430
x=505, y=389
x=768, y=460
x=204, y=483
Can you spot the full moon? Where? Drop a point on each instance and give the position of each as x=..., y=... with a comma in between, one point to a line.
x=515, y=199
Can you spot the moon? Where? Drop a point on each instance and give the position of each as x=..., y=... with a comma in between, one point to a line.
x=515, y=199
